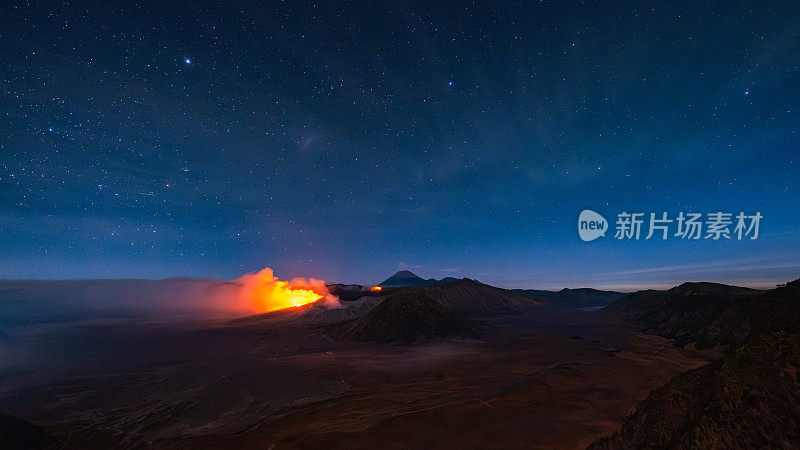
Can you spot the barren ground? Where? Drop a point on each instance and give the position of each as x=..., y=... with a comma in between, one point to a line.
x=537, y=380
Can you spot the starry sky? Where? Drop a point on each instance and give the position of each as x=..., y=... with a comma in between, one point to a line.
x=348, y=140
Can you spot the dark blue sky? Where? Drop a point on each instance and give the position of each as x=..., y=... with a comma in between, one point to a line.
x=346, y=140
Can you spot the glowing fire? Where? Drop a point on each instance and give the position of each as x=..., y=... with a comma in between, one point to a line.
x=375, y=288
x=262, y=292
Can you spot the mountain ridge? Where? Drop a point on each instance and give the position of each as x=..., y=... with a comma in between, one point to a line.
x=577, y=298
x=407, y=278
x=707, y=314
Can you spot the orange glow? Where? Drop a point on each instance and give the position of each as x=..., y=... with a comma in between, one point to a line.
x=375, y=288
x=262, y=292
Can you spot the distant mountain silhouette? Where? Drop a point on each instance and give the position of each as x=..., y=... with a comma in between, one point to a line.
x=405, y=278
x=408, y=278
x=448, y=280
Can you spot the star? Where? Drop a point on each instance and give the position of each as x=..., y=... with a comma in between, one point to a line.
x=449, y=83
x=187, y=60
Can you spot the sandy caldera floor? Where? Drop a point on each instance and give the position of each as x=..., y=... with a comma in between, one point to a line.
x=548, y=380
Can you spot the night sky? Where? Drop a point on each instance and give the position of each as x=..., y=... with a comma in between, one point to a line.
x=345, y=141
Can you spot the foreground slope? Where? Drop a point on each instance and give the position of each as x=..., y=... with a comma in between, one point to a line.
x=748, y=399
x=18, y=433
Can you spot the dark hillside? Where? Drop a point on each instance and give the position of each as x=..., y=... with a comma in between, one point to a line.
x=750, y=399
x=407, y=316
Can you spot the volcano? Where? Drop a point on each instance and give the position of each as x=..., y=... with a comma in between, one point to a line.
x=477, y=299
x=440, y=310
x=406, y=278
x=407, y=316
